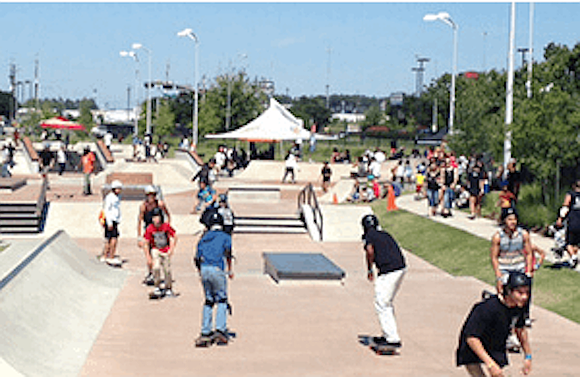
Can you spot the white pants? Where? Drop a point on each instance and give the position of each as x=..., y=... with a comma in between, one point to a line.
x=386, y=287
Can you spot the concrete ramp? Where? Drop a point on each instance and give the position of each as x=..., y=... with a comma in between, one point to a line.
x=53, y=303
x=342, y=223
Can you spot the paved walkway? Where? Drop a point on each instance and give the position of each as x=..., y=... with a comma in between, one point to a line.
x=481, y=227
x=306, y=329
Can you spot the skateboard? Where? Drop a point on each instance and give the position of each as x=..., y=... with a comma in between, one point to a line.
x=383, y=349
x=153, y=296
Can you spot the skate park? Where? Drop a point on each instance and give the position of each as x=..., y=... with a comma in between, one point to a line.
x=84, y=318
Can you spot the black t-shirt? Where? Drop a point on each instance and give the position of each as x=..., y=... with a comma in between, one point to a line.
x=46, y=157
x=432, y=177
x=513, y=179
x=388, y=256
x=473, y=180
x=574, y=216
x=326, y=173
x=490, y=321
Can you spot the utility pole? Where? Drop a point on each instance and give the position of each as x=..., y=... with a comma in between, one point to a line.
x=12, y=77
x=36, y=83
x=523, y=51
x=128, y=102
x=329, y=50
x=419, y=74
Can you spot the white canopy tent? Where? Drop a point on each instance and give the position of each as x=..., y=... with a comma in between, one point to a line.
x=274, y=124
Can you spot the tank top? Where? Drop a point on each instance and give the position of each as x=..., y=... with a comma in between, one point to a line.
x=148, y=216
x=449, y=177
x=511, y=251
x=574, y=216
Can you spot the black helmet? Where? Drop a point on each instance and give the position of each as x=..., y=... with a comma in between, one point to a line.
x=215, y=219
x=223, y=198
x=515, y=280
x=369, y=221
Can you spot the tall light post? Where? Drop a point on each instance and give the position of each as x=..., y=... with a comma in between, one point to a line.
x=137, y=46
x=509, y=105
x=133, y=55
x=188, y=33
x=446, y=18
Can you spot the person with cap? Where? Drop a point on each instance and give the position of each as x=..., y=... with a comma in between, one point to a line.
x=112, y=211
x=326, y=173
x=486, y=329
x=213, y=260
x=227, y=214
x=160, y=241
x=144, y=220
x=570, y=210
x=511, y=251
x=383, y=253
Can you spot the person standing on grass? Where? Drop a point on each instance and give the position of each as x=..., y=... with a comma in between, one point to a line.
x=383, y=252
x=112, y=209
x=486, y=329
x=571, y=210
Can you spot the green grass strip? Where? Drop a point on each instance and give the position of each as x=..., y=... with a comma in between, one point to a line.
x=463, y=254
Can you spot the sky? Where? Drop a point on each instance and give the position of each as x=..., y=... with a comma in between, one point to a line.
x=355, y=48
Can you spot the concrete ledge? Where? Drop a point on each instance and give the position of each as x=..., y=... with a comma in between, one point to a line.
x=301, y=267
x=254, y=193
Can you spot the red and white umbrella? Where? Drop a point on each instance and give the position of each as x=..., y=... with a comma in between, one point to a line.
x=62, y=123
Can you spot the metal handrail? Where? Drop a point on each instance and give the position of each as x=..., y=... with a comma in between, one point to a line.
x=308, y=196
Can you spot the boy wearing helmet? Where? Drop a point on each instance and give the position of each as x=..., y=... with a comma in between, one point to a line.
x=144, y=220
x=112, y=211
x=227, y=214
x=160, y=241
x=383, y=252
x=214, y=255
x=486, y=329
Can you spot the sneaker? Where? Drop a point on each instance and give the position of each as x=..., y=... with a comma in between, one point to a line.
x=220, y=338
x=203, y=340
x=156, y=294
x=394, y=344
x=169, y=293
x=149, y=280
x=528, y=323
x=101, y=258
x=379, y=340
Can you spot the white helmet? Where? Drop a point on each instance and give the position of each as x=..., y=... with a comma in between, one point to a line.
x=116, y=184
x=150, y=189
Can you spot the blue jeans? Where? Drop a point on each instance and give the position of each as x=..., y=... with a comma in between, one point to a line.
x=216, y=292
x=448, y=197
x=433, y=196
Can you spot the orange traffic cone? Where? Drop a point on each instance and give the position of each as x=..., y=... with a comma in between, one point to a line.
x=391, y=206
x=334, y=198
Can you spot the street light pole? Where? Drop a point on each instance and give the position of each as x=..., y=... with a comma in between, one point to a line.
x=133, y=55
x=507, y=144
x=137, y=46
x=191, y=35
x=446, y=18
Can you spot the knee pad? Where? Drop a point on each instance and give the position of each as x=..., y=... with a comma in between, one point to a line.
x=223, y=300
x=209, y=303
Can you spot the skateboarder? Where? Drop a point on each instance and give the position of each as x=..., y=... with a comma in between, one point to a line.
x=160, y=241
x=112, y=210
x=227, y=214
x=214, y=255
x=383, y=252
x=485, y=331
x=146, y=218
x=571, y=210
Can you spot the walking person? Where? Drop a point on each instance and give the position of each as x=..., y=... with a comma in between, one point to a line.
x=214, y=263
x=486, y=329
x=88, y=165
x=475, y=181
x=112, y=210
x=61, y=159
x=46, y=163
x=383, y=252
x=433, y=177
x=450, y=178
x=160, y=241
x=571, y=210
x=145, y=218
x=227, y=214
x=326, y=173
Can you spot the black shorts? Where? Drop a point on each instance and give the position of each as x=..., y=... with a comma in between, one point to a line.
x=572, y=238
x=113, y=233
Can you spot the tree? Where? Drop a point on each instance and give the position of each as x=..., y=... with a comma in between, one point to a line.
x=5, y=98
x=373, y=117
x=165, y=120
x=86, y=117
x=312, y=111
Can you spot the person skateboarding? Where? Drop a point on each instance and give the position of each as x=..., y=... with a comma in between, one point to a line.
x=383, y=252
x=485, y=331
x=112, y=211
x=214, y=262
x=144, y=220
x=160, y=241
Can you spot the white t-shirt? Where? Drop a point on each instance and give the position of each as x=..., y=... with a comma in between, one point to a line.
x=375, y=168
x=61, y=156
x=380, y=157
x=108, y=139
